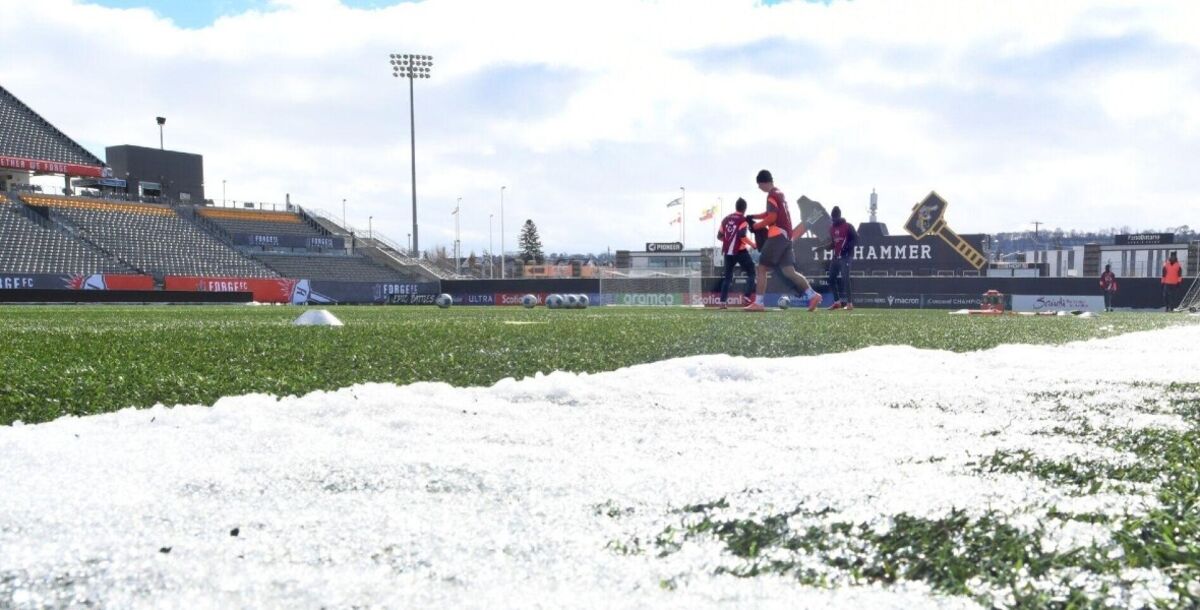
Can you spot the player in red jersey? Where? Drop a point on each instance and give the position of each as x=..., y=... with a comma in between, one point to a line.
x=777, y=251
x=735, y=245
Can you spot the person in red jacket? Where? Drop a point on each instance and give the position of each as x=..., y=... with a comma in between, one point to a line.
x=842, y=240
x=1172, y=281
x=1108, y=283
x=776, y=251
x=736, y=246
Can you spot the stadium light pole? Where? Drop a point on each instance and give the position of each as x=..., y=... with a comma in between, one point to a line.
x=371, y=227
x=343, y=213
x=412, y=67
x=162, y=120
x=491, y=251
x=502, y=231
x=222, y=193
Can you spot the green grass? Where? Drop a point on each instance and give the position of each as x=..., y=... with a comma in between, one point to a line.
x=59, y=361
x=983, y=556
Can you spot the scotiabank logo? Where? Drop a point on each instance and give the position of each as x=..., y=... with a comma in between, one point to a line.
x=1059, y=303
x=509, y=298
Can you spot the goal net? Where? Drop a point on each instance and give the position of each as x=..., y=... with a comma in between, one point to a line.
x=1191, y=299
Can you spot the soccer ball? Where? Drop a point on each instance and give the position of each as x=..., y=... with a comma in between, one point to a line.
x=444, y=300
x=554, y=301
x=784, y=302
x=584, y=301
x=529, y=301
x=572, y=301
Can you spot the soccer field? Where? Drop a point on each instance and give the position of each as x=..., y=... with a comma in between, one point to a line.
x=876, y=459
x=85, y=360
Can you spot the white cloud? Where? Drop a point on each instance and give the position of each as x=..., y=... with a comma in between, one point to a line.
x=1078, y=113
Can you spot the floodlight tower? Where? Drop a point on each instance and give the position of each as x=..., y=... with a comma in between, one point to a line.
x=412, y=67
x=874, y=208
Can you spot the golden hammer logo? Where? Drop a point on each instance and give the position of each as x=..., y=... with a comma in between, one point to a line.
x=928, y=218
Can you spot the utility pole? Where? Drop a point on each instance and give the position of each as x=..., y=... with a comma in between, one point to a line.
x=457, y=242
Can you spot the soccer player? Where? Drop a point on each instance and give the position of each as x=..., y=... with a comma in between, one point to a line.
x=842, y=239
x=1108, y=283
x=1172, y=280
x=736, y=247
x=776, y=253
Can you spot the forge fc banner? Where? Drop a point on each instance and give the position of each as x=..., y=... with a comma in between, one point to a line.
x=309, y=292
x=95, y=281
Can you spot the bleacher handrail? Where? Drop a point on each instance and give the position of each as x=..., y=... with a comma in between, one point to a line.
x=400, y=254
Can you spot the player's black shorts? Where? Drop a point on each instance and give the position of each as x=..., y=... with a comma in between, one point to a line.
x=778, y=252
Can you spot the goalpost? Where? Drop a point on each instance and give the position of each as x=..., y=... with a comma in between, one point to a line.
x=1191, y=300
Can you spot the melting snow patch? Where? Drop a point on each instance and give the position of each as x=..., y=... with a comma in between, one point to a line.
x=509, y=496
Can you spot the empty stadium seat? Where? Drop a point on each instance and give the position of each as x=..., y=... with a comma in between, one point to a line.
x=258, y=222
x=335, y=268
x=151, y=238
x=23, y=133
x=28, y=247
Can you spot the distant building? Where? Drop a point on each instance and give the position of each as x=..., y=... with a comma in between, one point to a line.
x=1131, y=256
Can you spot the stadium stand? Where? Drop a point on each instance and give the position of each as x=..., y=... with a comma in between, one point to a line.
x=29, y=247
x=150, y=238
x=336, y=268
x=258, y=222
x=23, y=133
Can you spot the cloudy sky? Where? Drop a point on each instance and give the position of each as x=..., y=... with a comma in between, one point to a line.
x=593, y=114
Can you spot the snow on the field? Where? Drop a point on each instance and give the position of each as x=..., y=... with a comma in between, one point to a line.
x=433, y=496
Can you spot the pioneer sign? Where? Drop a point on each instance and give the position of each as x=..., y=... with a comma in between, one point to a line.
x=669, y=246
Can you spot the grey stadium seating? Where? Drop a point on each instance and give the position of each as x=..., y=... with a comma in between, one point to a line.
x=150, y=238
x=258, y=222
x=23, y=133
x=336, y=268
x=28, y=247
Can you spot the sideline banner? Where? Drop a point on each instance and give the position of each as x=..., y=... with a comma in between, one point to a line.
x=95, y=281
x=265, y=290
x=288, y=241
x=1038, y=303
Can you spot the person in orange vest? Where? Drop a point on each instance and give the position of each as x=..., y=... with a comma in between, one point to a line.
x=1172, y=281
x=1108, y=283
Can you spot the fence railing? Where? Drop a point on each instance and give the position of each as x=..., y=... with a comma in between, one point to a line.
x=385, y=244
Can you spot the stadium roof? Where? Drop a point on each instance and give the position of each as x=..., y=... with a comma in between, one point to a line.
x=29, y=142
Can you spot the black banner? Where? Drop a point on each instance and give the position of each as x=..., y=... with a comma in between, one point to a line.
x=1145, y=239
x=321, y=291
x=288, y=241
x=890, y=254
x=669, y=246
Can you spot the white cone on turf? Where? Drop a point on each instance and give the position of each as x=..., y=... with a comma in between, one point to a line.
x=317, y=317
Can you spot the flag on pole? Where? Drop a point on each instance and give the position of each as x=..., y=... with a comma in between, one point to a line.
x=708, y=213
x=675, y=202
x=678, y=219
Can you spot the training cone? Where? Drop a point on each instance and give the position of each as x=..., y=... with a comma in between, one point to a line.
x=317, y=317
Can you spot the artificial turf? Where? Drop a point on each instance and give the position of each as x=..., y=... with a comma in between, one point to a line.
x=80, y=360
